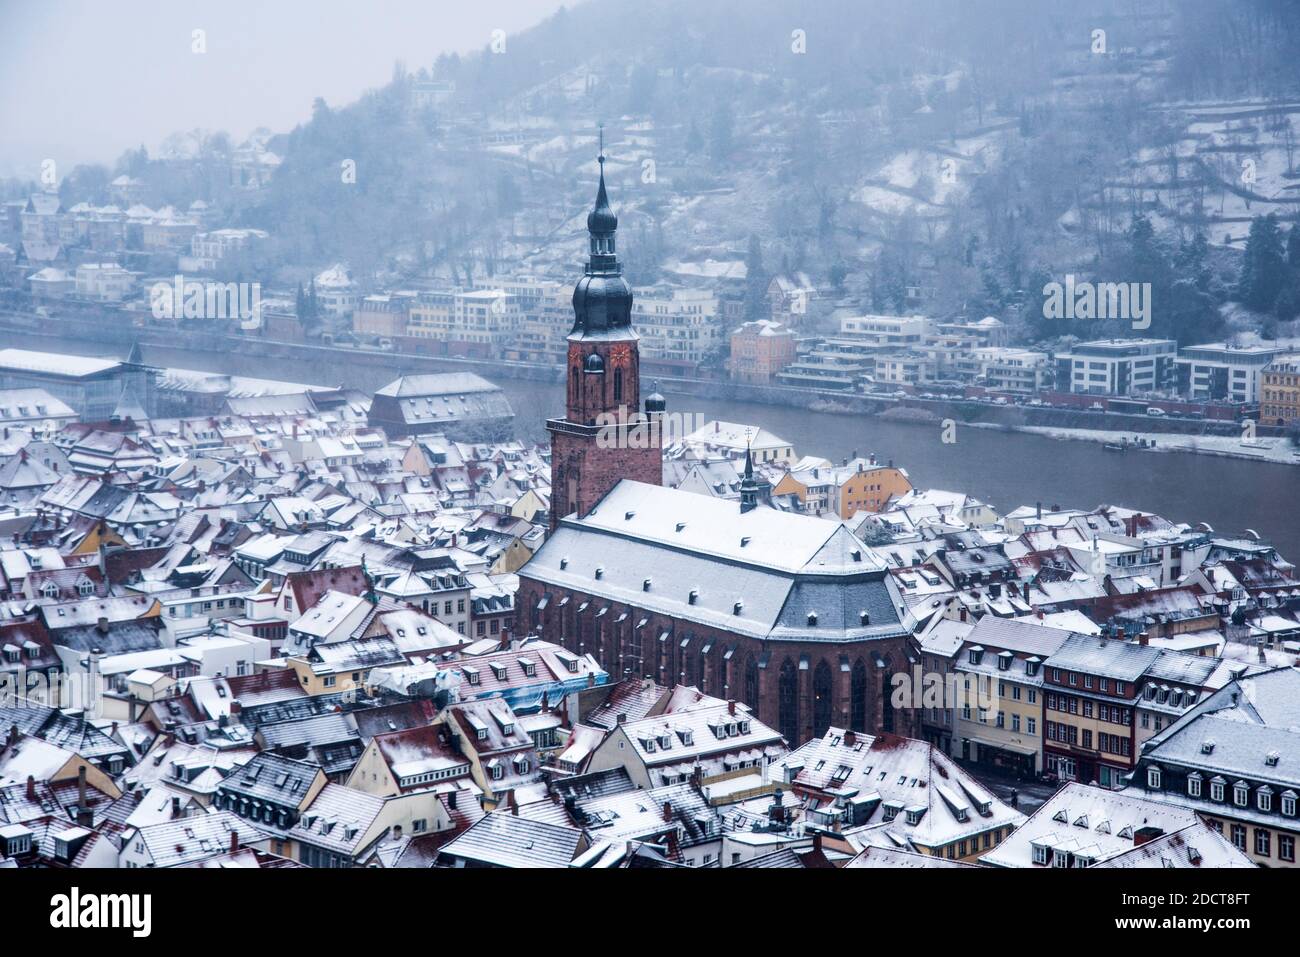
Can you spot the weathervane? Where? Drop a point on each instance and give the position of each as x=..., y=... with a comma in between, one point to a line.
x=600, y=158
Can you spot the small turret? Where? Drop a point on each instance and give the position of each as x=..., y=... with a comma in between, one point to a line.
x=748, y=487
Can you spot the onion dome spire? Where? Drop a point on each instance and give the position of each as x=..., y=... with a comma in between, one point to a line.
x=602, y=301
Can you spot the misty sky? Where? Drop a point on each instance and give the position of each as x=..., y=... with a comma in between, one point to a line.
x=83, y=80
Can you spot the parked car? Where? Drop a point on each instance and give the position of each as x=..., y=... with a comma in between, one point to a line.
x=1155, y=411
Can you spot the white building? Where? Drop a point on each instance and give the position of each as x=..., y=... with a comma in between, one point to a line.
x=1118, y=367
x=103, y=282
x=1218, y=370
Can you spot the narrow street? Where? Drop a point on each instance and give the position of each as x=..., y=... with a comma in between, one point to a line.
x=1029, y=795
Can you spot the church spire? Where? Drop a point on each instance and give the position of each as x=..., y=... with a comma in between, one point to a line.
x=602, y=301
x=748, y=487
x=602, y=224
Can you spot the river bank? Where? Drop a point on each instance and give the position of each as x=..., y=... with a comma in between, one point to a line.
x=1276, y=450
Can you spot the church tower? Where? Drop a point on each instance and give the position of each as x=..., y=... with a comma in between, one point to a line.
x=603, y=436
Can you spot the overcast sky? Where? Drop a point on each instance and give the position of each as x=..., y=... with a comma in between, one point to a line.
x=83, y=80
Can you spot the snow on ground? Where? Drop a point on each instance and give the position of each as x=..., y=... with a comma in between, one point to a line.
x=1260, y=449
x=939, y=176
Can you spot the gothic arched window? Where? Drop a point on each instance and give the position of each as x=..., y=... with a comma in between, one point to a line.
x=787, y=694
x=858, y=697
x=751, y=683
x=821, y=699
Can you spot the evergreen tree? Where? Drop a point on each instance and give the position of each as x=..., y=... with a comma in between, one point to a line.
x=721, y=131
x=1263, y=269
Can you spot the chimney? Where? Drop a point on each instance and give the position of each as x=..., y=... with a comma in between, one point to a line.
x=14, y=735
x=31, y=788
x=668, y=811
x=963, y=614
x=176, y=807
x=1038, y=510
x=621, y=718
x=513, y=802
x=817, y=841
x=850, y=739
x=451, y=799
x=1040, y=614
x=731, y=706
x=81, y=786
x=101, y=626
x=776, y=811
x=591, y=679
x=1144, y=638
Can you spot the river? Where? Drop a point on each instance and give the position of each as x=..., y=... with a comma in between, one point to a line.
x=1004, y=469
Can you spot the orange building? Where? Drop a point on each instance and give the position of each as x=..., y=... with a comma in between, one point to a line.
x=759, y=350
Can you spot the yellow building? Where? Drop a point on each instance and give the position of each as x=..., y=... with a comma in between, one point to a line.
x=998, y=704
x=1279, y=391
x=844, y=490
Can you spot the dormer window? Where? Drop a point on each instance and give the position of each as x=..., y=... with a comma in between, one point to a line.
x=976, y=654
x=1194, y=784
x=1004, y=661
x=1217, y=786
x=1289, y=803
x=864, y=618
x=1153, y=779
x=812, y=619
x=1241, y=794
